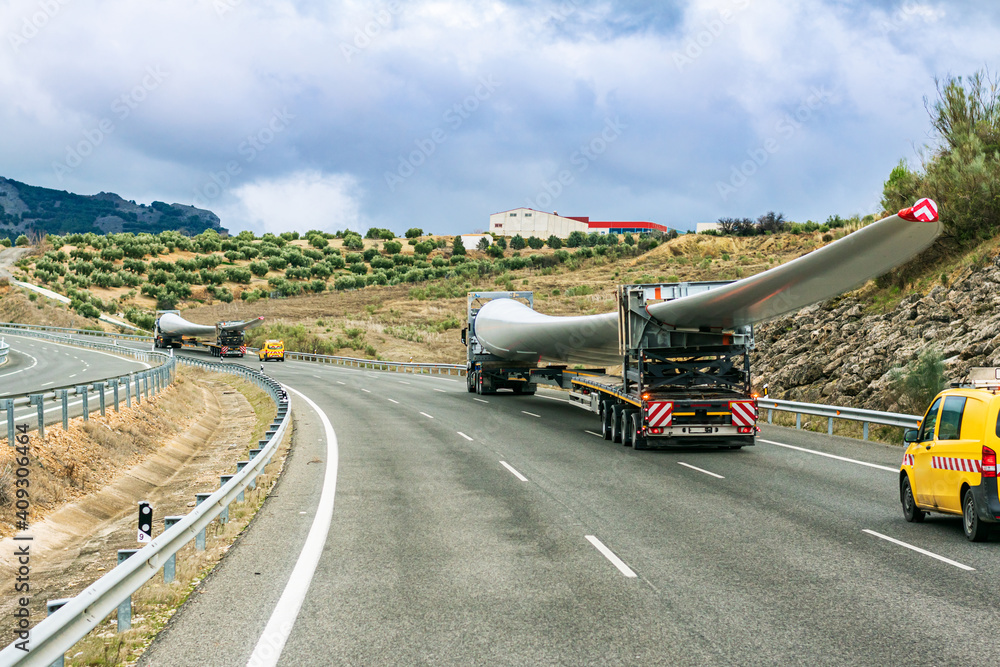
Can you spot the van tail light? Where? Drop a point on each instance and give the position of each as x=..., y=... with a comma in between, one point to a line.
x=989, y=464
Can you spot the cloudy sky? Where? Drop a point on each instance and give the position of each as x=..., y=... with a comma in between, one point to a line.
x=435, y=113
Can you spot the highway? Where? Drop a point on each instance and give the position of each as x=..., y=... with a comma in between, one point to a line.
x=40, y=365
x=501, y=529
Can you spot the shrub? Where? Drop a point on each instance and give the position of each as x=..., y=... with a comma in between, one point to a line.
x=22, y=241
x=335, y=262
x=359, y=268
x=484, y=244
x=318, y=241
x=238, y=274
x=382, y=263
x=414, y=232
x=259, y=268
x=354, y=257
x=914, y=387
x=495, y=251
x=424, y=247
x=392, y=247
x=277, y=263
x=517, y=243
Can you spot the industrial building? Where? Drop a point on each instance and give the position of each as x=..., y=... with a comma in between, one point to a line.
x=529, y=222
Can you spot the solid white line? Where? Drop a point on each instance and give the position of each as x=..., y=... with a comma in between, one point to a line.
x=531, y=413
x=514, y=472
x=367, y=391
x=688, y=465
x=279, y=626
x=464, y=436
x=829, y=456
x=592, y=433
x=610, y=555
x=392, y=401
x=919, y=550
x=33, y=363
x=480, y=400
x=427, y=415
x=553, y=398
x=441, y=390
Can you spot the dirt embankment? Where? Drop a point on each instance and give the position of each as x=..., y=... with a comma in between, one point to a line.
x=86, y=483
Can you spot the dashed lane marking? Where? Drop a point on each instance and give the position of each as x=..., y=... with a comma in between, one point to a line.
x=464, y=436
x=531, y=413
x=440, y=390
x=592, y=433
x=513, y=472
x=427, y=415
x=830, y=456
x=688, y=465
x=610, y=555
x=919, y=550
x=392, y=401
x=480, y=400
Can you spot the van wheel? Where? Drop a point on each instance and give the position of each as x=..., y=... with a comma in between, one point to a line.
x=911, y=512
x=975, y=529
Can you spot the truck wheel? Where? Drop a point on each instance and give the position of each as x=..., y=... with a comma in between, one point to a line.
x=638, y=441
x=975, y=530
x=616, y=423
x=627, y=433
x=911, y=512
x=606, y=421
x=470, y=386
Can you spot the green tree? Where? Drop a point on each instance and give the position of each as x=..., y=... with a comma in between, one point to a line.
x=484, y=244
x=576, y=239
x=517, y=242
x=535, y=243
x=414, y=232
x=457, y=247
x=21, y=241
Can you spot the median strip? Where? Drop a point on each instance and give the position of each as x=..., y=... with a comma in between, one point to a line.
x=610, y=555
x=919, y=550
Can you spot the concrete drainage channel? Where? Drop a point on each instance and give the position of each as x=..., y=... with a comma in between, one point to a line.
x=72, y=619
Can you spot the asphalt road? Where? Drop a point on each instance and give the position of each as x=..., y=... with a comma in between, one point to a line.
x=40, y=365
x=465, y=531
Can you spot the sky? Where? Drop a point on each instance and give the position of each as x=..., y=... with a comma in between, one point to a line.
x=298, y=115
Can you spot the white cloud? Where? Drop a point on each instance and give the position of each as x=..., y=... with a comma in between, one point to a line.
x=299, y=201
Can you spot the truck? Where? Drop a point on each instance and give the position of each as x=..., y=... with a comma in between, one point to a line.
x=225, y=339
x=677, y=387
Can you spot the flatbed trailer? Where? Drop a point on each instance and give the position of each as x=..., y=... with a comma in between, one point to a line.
x=678, y=387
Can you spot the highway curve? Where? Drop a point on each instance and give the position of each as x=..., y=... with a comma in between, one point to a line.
x=439, y=552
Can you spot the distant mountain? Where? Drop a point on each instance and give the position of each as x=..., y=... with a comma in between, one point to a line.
x=27, y=208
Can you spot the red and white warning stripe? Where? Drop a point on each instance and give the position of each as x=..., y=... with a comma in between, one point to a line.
x=907, y=459
x=951, y=463
x=660, y=413
x=925, y=210
x=225, y=349
x=744, y=413
x=243, y=349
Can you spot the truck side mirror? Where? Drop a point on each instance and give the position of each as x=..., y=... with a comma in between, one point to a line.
x=463, y=337
x=911, y=435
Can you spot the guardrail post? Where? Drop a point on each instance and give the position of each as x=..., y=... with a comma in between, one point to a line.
x=115, y=385
x=63, y=396
x=99, y=388
x=125, y=607
x=240, y=465
x=864, y=430
x=253, y=480
x=128, y=392
x=170, y=565
x=224, y=516
x=38, y=401
x=81, y=390
x=829, y=426
x=199, y=540
x=7, y=405
x=138, y=391
x=145, y=384
x=51, y=607
x=798, y=420
x=769, y=411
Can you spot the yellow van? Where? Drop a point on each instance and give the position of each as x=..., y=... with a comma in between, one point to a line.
x=272, y=349
x=950, y=463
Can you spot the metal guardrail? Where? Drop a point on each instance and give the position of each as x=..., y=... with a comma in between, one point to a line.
x=75, y=332
x=832, y=412
x=371, y=364
x=4, y=349
x=53, y=636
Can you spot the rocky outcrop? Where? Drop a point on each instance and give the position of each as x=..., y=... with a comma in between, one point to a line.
x=841, y=352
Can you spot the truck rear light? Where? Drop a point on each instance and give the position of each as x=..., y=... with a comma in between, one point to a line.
x=656, y=431
x=989, y=463
x=744, y=430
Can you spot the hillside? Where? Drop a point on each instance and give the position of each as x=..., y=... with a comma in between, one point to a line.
x=31, y=210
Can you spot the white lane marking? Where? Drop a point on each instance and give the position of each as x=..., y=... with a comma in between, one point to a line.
x=464, y=436
x=688, y=465
x=34, y=362
x=339, y=382
x=367, y=391
x=392, y=401
x=553, y=398
x=531, y=413
x=431, y=377
x=317, y=377
x=47, y=384
x=610, y=555
x=403, y=382
x=919, y=550
x=74, y=375
x=279, y=626
x=830, y=456
x=480, y=400
x=441, y=390
x=427, y=415
x=592, y=433
x=513, y=472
